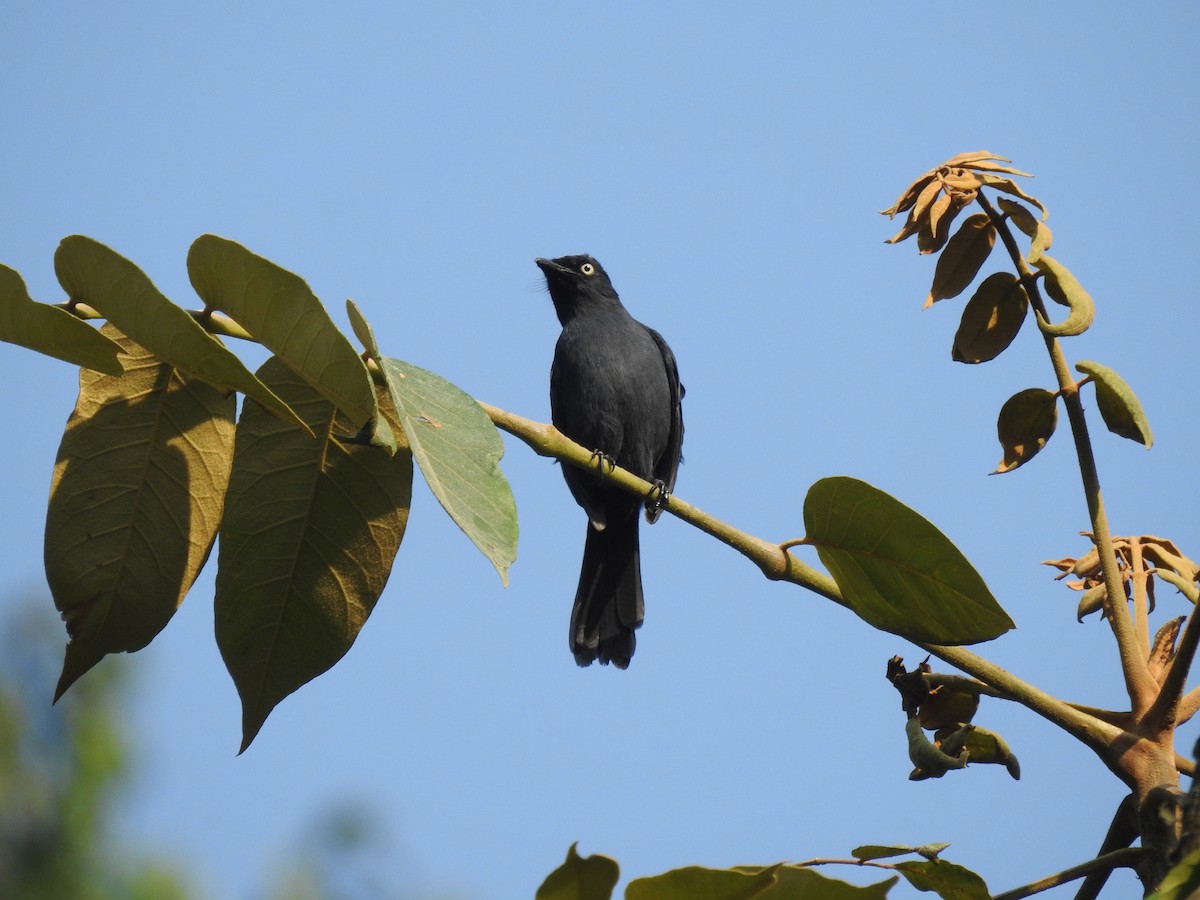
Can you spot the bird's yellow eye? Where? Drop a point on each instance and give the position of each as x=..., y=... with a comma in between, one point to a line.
x=587, y=269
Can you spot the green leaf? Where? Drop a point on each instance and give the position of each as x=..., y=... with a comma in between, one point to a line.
x=1064, y=289
x=964, y=255
x=91, y=273
x=896, y=570
x=1026, y=422
x=135, y=502
x=991, y=319
x=281, y=311
x=886, y=851
x=986, y=746
x=1119, y=406
x=1182, y=882
x=1037, y=231
x=311, y=529
x=947, y=880
x=52, y=331
x=459, y=450
x=581, y=878
x=778, y=882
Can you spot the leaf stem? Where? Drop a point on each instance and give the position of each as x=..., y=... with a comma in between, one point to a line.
x=1139, y=684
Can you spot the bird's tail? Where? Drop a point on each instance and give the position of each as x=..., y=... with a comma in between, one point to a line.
x=608, y=605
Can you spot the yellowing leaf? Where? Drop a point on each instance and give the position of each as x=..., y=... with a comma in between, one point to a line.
x=94, y=274
x=135, y=502
x=1026, y=422
x=52, y=331
x=1119, y=406
x=991, y=319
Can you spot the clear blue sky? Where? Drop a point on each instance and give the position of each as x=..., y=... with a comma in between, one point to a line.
x=725, y=163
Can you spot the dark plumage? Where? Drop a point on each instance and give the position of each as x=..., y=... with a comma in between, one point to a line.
x=614, y=388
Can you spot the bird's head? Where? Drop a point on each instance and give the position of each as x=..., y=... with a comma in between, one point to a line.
x=575, y=283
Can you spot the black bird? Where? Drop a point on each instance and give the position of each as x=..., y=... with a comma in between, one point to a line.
x=614, y=388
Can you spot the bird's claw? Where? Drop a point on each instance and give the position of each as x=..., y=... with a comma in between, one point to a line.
x=600, y=459
x=658, y=498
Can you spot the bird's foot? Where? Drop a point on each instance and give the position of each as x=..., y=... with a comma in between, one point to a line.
x=600, y=459
x=657, y=499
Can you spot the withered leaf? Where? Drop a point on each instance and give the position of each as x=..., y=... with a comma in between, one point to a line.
x=991, y=319
x=1162, y=651
x=987, y=165
x=1169, y=557
x=1026, y=422
x=910, y=195
x=1091, y=601
x=1008, y=186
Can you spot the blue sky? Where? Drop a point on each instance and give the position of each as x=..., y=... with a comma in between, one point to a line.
x=725, y=163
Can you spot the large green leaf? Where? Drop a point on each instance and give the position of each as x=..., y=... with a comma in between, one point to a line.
x=52, y=331
x=1119, y=405
x=778, y=882
x=895, y=569
x=459, y=450
x=311, y=529
x=282, y=312
x=135, y=502
x=109, y=283
x=581, y=878
x=1182, y=882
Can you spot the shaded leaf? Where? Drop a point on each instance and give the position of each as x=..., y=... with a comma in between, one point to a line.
x=1026, y=422
x=135, y=502
x=1037, y=231
x=1090, y=601
x=1064, y=289
x=945, y=706
x=311, y=529
x=896, y=570
x=459, y=450
x=1119, y=406
x=778, y=882
x=962, y=258
x=581, y=878
x=929, y=760
x=908, y=199
x=52, y=331
x=92, y=273
x=1182, y=882
x=991, y=319
x=984, y=746
x=281, y=311
x=947, y=880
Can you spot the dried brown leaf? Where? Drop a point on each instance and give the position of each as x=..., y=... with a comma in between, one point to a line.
x=986, y=165
x=1010, y=187
x=963, y=181
x=1038, y=232
x=910, y=195
x=1162, y=651
x=972, y=156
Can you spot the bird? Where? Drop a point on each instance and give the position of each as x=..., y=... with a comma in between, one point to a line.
x=615, y=389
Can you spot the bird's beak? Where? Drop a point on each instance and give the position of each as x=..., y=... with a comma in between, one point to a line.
x=549, y=265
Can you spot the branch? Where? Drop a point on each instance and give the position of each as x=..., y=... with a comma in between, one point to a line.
x=1118, y=859
x=779, y=565
x=1139, y=683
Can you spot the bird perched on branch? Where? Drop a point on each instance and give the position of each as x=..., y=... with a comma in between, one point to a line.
x=614, y=388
